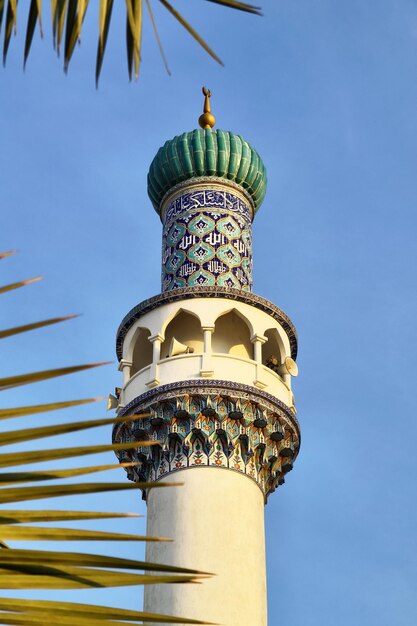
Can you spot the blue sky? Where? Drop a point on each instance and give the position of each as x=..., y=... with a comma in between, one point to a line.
x=327, y=93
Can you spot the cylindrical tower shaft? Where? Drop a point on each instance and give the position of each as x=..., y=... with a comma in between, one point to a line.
x=218, y=525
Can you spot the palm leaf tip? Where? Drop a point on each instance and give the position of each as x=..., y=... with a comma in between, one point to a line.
x=34, y=377
x=37, y=533
x=46, y=609
x=240, y=6
x=20, y=283
x=106, y=7
x=80, y=559
x=20, y=516
x=34, y=326
x=4, y=255
x=33, y=17
x=157, y=37
x=44, y=408
x=134, y=35
x=22, y=494
x=191, y=30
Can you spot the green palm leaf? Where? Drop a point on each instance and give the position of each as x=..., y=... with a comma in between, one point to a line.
x=17, y=516
x=58, y=9
x=75, y=16
x=39, y=576
x=22, y=494
x=30, y=434
x=21, y=283
x=106, y=7
x=134, y=25
x=36, y=533
x=36, y=377
x=33, y=17
x=70, y=14
x=24, y=329
x=58, y=610
x=30, y=477
x=158, y=40
x=4, y=255
x=191, y=30
x=39, y=569
x=37, y=456
x=241, y=6
x=14, y=556
x=21, y=411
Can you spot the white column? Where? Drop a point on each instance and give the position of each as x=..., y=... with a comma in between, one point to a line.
x=124, y=367
x=156, y=341
x=258, y=341
x=217, y=522
x=206, y=369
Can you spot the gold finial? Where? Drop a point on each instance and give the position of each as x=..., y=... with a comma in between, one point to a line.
x=207, y=119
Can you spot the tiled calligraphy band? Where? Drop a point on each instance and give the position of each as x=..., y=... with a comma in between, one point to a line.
x=207, y=240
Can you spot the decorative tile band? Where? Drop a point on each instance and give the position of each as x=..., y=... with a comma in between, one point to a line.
x=216, y=424
x=207, y=386
x=208, y=198
x=207, y=241
x=188, y=293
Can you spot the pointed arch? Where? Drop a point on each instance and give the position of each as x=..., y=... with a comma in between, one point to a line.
x=273, y=347
x=185, y=326
x=232, y=333
x=141, y=350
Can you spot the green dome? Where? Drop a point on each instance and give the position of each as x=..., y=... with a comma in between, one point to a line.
x=207, y=152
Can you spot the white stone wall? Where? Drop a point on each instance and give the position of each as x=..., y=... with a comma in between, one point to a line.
x=217, y=520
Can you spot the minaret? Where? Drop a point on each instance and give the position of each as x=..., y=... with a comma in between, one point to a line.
x=211, y=363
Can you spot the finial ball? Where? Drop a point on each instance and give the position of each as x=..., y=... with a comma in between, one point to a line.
x=207, y=119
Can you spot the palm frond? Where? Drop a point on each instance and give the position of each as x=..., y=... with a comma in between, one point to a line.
x=45, y=609
x=40, y=569
x=36, y=377
x=241, y=6
x=9, y=332
x=23, y=494
x=34, y=16
x=69, y=15
x=134, y=24
x=15, y=478
x=40, y=432
x=157, y=37
x=21, y=411
x=10, y=459
x=38, y=576
x=18, y=516
x=106, y=7
x=191, y=30
x=37, y=533
x=4, y=255
x=14, y=556
x=21, y=283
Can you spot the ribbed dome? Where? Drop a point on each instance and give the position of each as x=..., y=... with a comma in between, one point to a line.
x=207, y=152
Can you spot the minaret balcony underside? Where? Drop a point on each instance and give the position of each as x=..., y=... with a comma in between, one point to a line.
x=210, y=423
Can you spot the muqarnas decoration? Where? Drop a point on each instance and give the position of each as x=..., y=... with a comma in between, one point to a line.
x=206, y=426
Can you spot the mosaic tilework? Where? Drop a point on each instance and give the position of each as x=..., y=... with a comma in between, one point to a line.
x=211, y=425
x=207, y=241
